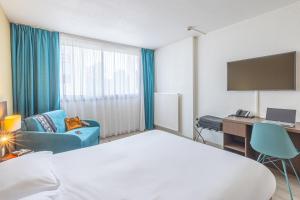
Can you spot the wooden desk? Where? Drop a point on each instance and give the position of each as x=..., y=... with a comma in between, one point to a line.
x=237, y=135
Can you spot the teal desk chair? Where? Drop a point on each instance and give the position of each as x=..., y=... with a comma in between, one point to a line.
x=274, y=144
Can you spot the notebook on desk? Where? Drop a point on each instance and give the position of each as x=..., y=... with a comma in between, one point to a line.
x=282, y=117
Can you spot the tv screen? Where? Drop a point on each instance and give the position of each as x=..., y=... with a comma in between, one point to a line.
x=276, y=72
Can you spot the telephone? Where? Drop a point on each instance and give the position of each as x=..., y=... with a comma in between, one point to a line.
x=243, y=113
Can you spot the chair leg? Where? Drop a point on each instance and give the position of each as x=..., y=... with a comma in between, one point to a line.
x=259, y=157
x=263, y=159
x=287, y=178
x=274, y=164
x=294, y=171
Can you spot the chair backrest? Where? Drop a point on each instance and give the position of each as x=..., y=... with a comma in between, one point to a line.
x=272, y=140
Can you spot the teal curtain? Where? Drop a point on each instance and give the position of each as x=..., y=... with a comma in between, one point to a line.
x=35, y=70
x=148, y=77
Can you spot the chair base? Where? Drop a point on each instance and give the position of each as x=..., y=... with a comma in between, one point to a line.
x=264, y=159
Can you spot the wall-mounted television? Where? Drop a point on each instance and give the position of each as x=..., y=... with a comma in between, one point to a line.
x=275, y=72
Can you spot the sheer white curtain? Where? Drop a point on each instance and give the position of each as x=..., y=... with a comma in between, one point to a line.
x=102, y=81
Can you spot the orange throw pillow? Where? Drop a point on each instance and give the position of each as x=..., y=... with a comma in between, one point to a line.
x=73, y=123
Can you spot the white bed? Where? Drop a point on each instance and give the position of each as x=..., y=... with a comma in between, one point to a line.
x=158, y=166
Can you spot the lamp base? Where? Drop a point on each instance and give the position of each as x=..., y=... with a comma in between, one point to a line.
x=2, y=151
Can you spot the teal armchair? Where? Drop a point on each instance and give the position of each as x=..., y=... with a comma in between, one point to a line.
x=33, y=136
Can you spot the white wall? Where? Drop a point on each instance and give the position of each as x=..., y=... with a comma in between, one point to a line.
x=5, y=62
x=174, y=73
x=272, y=33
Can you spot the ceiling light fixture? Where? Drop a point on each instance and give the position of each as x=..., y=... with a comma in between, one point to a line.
x=193, y=28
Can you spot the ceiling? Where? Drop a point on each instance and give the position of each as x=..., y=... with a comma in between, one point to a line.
x=142, y=23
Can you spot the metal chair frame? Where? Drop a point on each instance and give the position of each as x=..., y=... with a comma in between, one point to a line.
x=262, y=159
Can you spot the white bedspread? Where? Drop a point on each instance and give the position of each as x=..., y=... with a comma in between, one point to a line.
x=160, y=166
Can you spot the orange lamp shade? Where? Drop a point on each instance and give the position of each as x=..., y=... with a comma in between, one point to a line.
x=12, y=123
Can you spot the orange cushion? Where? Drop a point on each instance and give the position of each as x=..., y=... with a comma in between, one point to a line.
x=73, y=123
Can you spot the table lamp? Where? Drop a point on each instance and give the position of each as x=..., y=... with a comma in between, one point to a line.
x=11, y=124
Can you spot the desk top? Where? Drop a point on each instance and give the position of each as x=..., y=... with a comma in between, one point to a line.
x=251, y=121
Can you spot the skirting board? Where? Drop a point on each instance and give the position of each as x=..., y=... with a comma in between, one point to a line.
x=167, y=130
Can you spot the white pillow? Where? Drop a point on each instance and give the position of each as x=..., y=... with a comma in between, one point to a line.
x=27, y=175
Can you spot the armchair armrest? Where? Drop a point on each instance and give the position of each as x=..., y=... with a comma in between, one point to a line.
x=40, y=141
x=92, y=123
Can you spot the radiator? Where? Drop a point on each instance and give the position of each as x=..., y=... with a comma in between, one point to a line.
x=166, y=110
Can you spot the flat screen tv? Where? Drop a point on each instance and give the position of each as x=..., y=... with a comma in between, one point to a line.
x=276, y=72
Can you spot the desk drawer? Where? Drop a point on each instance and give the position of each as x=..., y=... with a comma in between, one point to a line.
x=235, y=128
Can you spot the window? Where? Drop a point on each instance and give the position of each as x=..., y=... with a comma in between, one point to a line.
x=91, y=70
x=102, y=81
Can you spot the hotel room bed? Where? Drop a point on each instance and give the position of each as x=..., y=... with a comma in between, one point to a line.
x=157, y=166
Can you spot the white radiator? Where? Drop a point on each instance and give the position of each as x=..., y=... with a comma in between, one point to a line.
x=166, y=110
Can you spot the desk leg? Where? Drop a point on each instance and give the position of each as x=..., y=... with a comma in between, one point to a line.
x=296, y=161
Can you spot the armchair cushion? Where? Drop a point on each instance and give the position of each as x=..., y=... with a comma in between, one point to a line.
x=88, y=135
x=73, y=123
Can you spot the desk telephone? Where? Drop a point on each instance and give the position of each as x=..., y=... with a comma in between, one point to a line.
x=243, y=113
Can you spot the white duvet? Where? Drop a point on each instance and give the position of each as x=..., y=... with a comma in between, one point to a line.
x=158, y=166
